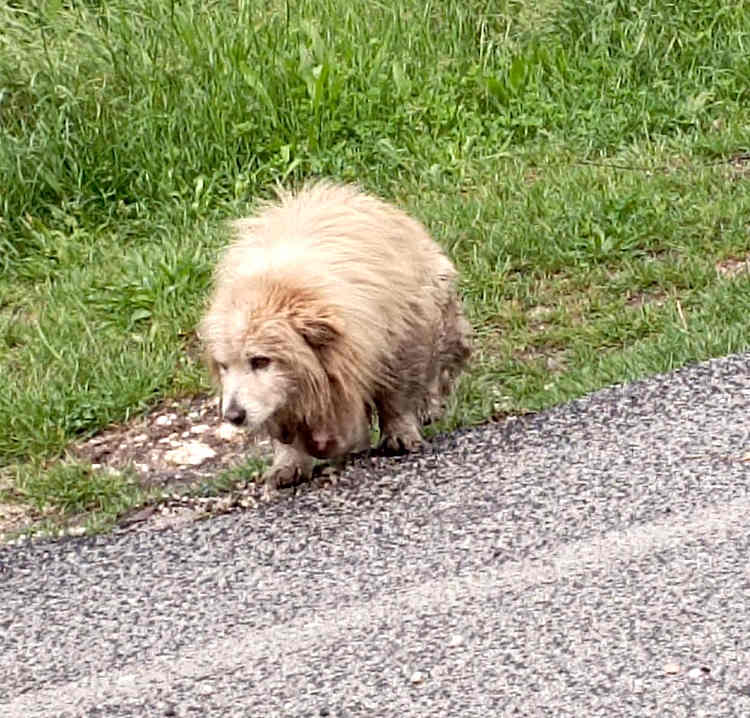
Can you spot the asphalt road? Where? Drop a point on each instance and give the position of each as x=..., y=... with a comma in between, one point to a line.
x=589, y=561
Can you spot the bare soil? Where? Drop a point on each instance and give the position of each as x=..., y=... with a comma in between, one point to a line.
x=177, y=446
x=179, y=443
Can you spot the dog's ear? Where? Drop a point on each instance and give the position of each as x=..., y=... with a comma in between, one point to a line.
x=317, y=331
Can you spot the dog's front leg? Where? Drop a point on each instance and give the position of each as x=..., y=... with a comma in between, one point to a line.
x=290, y=463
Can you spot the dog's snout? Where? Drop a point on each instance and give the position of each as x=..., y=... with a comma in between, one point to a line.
x=235, y=413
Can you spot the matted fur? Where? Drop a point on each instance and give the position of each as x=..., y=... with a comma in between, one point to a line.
x=328, y=304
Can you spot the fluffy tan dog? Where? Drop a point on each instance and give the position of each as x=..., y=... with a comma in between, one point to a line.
x=331, y=303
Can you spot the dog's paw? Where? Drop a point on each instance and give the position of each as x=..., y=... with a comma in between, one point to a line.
x=400, y=443
x=281, y=476
x=400, y=434
x=270, y=492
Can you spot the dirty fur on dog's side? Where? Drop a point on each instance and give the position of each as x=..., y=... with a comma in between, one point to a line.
x=331, y=303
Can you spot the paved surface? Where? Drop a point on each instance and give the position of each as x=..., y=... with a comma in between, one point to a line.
x=591, y=560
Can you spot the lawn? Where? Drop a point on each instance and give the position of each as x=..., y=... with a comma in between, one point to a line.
x=585, y=163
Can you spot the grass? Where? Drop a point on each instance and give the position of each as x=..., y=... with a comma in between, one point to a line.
x=581, y=161
x=68, y=497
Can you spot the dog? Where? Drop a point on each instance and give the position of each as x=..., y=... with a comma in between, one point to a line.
x=329, y=307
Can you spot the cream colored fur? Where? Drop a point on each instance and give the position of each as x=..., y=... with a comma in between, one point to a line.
x=331, y=303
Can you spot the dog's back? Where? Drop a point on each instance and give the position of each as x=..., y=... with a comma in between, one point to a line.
x=376, y=266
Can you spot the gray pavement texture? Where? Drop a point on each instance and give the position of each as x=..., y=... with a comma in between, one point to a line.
x=589, y=560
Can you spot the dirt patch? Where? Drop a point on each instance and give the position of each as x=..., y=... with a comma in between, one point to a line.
x=538, y=317
x=15, y=517
x=647, y=298
x=732, y=267
x=179, y=445
x=551, y=358
x=180, y=442
x=740, y=164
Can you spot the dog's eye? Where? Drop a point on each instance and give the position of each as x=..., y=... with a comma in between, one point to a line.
x=257, y=363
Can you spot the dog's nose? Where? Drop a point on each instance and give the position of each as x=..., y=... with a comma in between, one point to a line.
x=235, y=413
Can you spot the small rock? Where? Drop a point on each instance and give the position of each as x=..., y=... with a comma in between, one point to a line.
x=199, y=429
x=456, y=640
x=226, y=431
x=163, y=420
x=191, y=454
x=671, y=668
x=97, y=440
x=417, y=677
x=140, y=438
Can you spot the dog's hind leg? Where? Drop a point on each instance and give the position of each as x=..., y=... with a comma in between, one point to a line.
x=399, y=427
x=455, y=348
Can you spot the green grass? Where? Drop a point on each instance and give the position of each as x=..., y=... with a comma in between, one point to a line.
x=572, y=156
x=74, y=488
x=69, y=496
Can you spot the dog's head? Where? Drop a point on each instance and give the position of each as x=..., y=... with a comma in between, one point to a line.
x=269, y=359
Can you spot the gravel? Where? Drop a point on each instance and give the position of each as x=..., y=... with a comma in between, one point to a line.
x=588, y=560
